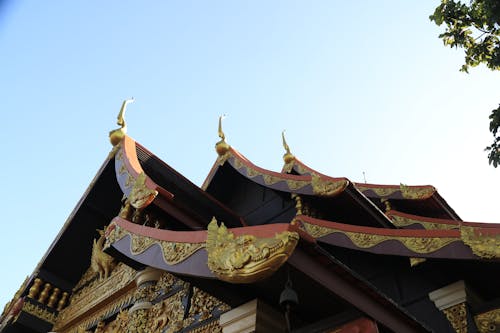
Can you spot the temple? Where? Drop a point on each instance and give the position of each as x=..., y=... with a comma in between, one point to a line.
x=252, y=250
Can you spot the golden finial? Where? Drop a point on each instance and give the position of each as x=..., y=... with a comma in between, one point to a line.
x=221, y=147
x=288, y=156
x=115, y=136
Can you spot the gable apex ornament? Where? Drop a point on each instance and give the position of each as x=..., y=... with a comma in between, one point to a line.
x=116, y=135
x=221, y=147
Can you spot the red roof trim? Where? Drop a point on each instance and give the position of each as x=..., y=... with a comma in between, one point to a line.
x=199, y=236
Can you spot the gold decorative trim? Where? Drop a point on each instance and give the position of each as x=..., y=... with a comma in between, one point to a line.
x=379, y=191
x=173, y=252
x=365, y=240
x=94, y=293
x=401, y=221
x=93, y=318
x=484, y=246
x=327, y=187
x=246, y=258
x=457, y=316
x=141, y=196
x=39, y=312
x=416, y=192
x=296, y=184
x=488, y=322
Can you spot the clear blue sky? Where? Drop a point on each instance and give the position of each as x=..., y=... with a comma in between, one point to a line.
x=360, y=86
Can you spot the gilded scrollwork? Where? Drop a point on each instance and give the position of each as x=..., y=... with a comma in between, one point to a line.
x=246, y=258
x=488, y=322
x=401, y=221
x=366, y=240
x=410, y=192
x=457, y=316
x=482, y=245
x=173, y=252
x=327, y=187
x=140, y=196
x=379, y=191
x=94, y=292
x=167, y=314
x=203, y=305
x=39, y=312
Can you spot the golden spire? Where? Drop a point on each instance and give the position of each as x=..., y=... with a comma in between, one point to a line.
x=115, y=136
x=221, y=147
x=288, y=156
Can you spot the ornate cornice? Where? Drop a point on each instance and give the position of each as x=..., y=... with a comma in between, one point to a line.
x=95, y=293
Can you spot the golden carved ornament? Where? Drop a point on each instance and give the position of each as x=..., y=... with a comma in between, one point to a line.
x=221, y=147
x=203, y=305
x=365, y=240
x=173, y=252
x=416, y=192
x=457, y=316
x=39, y=312
x=116, y=136
x=102, y=263
x=246, y=258
x=96, y=292
x=140, y=196
x=169, y=312
x=327, y=188
x=401, y=221
x=488, y=322
x=484, y=246
x=379, y=191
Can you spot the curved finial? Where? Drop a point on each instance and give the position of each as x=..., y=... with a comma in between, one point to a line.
x=288, y=156
x=121, y=116
x=221, y=133
x=221, y=147
x=115, y=136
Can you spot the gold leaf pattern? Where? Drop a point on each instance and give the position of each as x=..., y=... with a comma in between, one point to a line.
x=401, y=221
x=484, y=246
x=364, y=240
x=457, y=316
x=173, y=252
x=327, y=187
